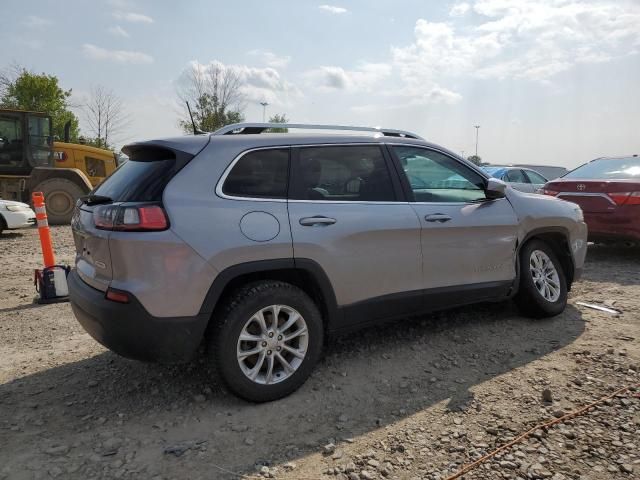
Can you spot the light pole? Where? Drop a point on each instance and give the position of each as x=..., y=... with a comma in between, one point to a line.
x=477, y=130
x=462, y=153
x=264, y=111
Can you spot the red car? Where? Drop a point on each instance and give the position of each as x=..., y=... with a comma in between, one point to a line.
x=608, y=191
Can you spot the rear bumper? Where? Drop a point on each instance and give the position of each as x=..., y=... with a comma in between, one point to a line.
x=620, y=225
x=129, y=330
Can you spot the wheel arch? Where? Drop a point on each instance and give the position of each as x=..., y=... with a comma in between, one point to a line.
x=305, y=274
x=558, y=239
x=40, y=174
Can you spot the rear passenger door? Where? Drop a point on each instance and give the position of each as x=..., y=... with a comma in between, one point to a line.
x=347, y=214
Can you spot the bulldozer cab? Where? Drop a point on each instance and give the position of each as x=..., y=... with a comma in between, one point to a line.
x=26, y=142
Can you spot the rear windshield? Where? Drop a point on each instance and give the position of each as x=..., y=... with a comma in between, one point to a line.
x=609, y=169
x=135, y=181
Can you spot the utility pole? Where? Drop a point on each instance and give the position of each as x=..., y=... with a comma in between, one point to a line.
x=264, y=111
x=477, y=130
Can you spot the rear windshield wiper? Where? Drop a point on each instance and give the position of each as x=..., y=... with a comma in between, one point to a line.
x=92, y=199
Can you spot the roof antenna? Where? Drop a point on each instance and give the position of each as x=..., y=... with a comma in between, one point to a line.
x=196, y=131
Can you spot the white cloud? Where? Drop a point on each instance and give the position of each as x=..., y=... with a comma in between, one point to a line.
x=363, y=78
x=118, y=31
x=120, y=56
x=459, y=9
x=132, y=17
x=33, y=21
x=534, y=40
x=271, y=59
x=333, y=9
x=257, y=84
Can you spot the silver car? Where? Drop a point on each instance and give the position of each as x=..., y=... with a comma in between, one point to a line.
x=523, y=179
x=259, y=245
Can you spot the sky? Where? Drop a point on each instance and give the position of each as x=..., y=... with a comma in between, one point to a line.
x=553, y=82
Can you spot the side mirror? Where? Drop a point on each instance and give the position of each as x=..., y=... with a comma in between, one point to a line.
x=495, y=188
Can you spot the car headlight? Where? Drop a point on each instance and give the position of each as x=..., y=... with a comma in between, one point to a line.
x=18, y=208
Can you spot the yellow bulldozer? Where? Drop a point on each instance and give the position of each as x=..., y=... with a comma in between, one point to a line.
x=31, y=161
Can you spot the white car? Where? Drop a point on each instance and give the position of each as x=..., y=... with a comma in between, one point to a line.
x=15, y=215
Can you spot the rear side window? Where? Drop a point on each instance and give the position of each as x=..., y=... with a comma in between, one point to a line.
x=138, y=181
x=342, y=173
x=259, y=174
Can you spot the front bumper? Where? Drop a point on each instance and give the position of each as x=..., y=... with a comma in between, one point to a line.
x=21, y=219
x=129, y=330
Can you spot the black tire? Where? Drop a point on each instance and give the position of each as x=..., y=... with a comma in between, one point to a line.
x=530, y=301
x=3, y=224
x=60, y=196
x=230, y=320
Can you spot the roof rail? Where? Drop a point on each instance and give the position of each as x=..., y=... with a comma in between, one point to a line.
x=252, y=128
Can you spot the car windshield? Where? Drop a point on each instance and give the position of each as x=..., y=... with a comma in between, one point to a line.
x=609, y=169
x=492, y=170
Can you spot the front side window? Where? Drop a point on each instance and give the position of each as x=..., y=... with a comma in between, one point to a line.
x=535, y=177
x=516, y=176
x=11, y=147
x=342, y=173
x=259, y=174
x=435, y=177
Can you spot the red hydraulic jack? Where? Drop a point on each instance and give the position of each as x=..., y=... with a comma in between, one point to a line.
x=51, y=281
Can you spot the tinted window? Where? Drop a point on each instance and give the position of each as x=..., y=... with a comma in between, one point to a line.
x=262, y=173
x=434, y=177
x=516, y=176
x=609, y=169
x=343, y=173
x=11, y=151
x=136, y=181
x=535, y=177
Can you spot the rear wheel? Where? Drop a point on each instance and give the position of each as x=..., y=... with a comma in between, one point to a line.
x=268, y=338
x=60, y=196
x=3, y=224
x=543, y=286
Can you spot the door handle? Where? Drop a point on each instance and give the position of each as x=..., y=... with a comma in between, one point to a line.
x=437, y=217
x=317, y=220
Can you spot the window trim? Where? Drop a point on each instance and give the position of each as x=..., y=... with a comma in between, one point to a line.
x=405, y=181
x=388, y=162
x=219, y=186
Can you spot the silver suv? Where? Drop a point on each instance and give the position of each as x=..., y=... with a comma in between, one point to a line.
x=259, y=245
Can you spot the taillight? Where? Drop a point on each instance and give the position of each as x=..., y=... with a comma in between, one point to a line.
x=625, y=198
x=138, y=218
x=117, y=296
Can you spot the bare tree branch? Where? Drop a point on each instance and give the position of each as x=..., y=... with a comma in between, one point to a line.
x=106, y=116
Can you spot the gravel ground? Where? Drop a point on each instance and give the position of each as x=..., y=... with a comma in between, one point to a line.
x=410, y=400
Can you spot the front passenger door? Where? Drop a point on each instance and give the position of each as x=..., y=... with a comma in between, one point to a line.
x=468, y=241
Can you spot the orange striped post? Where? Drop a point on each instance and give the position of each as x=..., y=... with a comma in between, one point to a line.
x=43, y=229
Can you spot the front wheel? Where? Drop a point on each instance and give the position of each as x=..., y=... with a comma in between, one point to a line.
x=268, y=338
x=60, y=196
x=543, y=286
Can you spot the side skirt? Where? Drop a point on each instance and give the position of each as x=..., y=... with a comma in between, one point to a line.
x=402, y=305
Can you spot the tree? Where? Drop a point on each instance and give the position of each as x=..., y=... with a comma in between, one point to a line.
x=106, y=117
x=278, y=118
x=25, y=90
x=215, y=95
x=475, y=159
